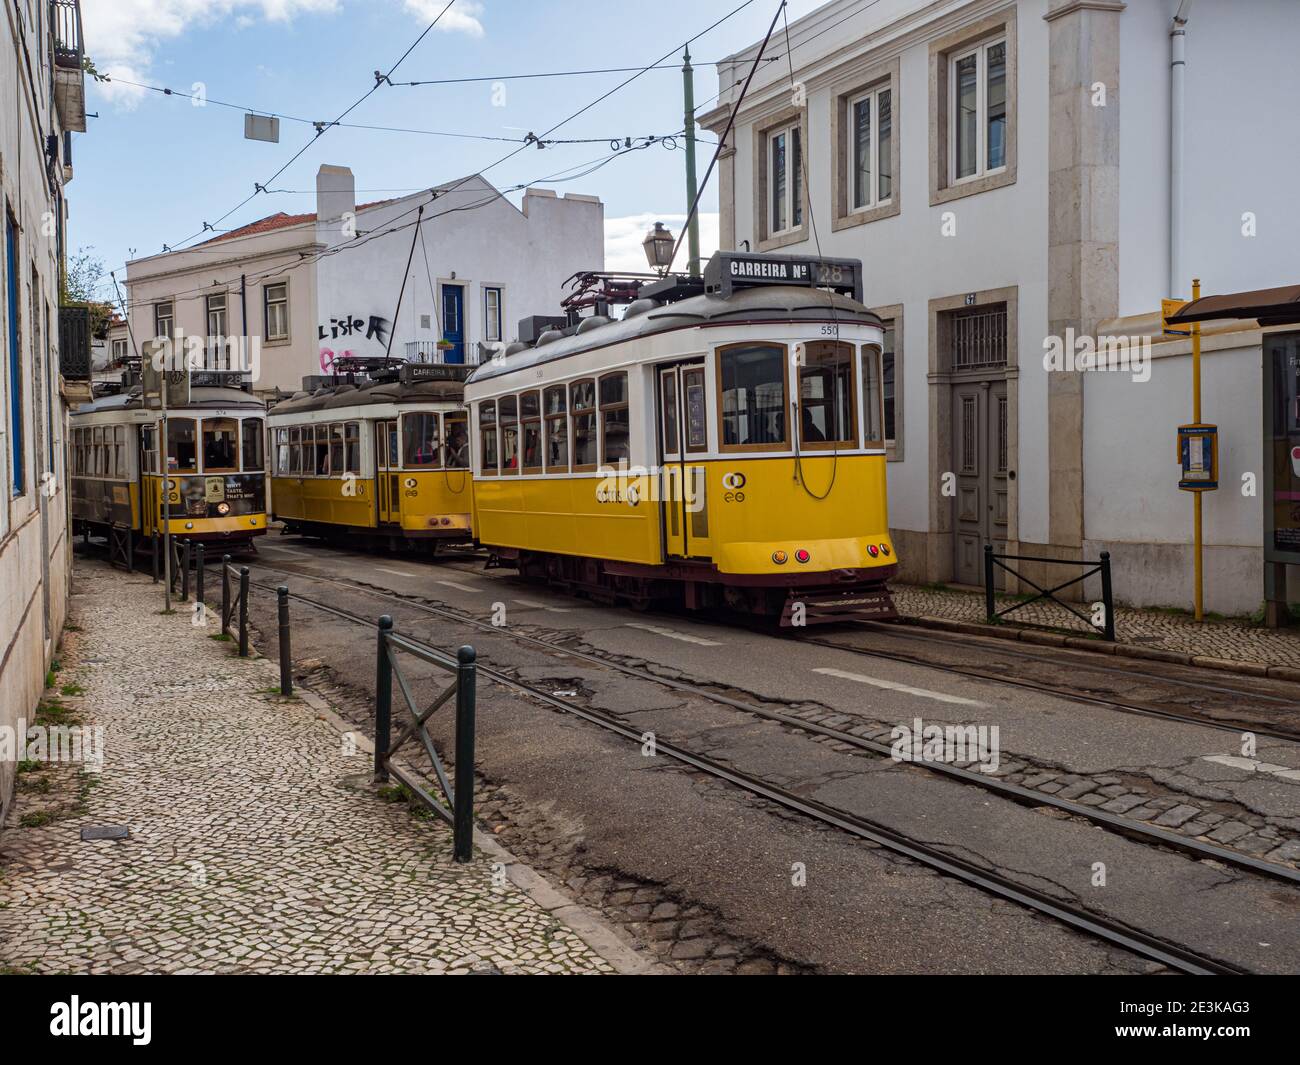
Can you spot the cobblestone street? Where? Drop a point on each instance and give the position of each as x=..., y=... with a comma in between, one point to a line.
x=256, y=843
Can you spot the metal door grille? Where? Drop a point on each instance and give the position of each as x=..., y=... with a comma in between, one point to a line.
x=979, y=338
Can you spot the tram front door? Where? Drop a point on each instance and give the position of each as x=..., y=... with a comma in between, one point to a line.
x=388, y=478
x=683, y=434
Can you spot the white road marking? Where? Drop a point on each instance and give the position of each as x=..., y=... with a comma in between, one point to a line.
x=876, y=682
x=286, y=551
x=1253, y=765
x=673, y=634
x=542, y=606
x=461, y=587
x=394, y=572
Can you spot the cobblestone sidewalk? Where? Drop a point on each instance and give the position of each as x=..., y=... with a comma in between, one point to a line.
x=1236, y=640
x=255, y=844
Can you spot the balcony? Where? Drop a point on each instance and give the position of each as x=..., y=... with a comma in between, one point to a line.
x=428, y=352
x=69, y=57
x=75, y=361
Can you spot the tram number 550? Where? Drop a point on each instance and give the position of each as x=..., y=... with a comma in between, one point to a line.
x=830, y=330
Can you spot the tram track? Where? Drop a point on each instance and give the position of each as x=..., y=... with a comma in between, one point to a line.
x=1023, y=796
x=1117, y=933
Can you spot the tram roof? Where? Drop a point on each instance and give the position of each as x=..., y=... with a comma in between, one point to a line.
x=202, y=396
x=646, y=317
x=351, y=395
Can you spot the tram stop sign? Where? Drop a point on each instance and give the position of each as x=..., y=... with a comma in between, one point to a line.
x=1198, y=454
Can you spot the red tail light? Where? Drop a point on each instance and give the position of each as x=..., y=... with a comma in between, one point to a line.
x=801, y=555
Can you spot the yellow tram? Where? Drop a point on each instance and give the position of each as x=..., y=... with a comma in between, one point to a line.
x=721, y=444
x=215, y=478
x=382, y=459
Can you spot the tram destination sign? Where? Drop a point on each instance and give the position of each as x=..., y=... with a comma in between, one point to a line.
x=414, y=372
x=728, y=271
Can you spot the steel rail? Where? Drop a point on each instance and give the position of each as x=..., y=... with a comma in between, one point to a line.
x=1013, y=792
x=1118, y=933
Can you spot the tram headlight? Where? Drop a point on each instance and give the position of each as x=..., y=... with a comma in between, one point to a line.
x=223, y=509
x=189, y=525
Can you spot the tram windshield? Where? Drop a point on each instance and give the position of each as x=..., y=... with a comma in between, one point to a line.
x=182, y=455
x=420, y=440
x=251, y=444
x=826, y=394
x=457, y=441
x=220, y=445
x=753, y=396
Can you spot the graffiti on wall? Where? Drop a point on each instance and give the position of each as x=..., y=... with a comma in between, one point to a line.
x=347, y=327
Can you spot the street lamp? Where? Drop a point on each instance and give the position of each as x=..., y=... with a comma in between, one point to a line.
x=658, y=245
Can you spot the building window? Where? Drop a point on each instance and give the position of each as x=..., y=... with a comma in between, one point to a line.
x=216, y=313
x=162, y=319
x=15, y=413
x=977, y=111
x=491, y=314
x=119, y=351
x=870, y=130
x=887, y=380
x=784, y=180
x=276, y=299
x=979, y=338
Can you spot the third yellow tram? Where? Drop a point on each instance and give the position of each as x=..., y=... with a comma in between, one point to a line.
x=381, y=459
x=719, y=445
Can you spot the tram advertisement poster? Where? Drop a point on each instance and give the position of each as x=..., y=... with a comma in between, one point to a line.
x=1282, y=447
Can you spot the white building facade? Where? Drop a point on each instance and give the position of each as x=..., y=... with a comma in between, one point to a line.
x=317, y=288
x=1007, y=172
x=41, y=84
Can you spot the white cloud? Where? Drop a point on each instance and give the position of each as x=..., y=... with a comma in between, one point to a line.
x=462, y=18
x=126, y=37
x=623, y=237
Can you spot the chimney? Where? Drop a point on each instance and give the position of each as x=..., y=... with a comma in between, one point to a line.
x=336, y=192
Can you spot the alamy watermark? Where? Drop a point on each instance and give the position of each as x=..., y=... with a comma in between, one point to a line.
x=1122, y=354
x=53, y=743
x=950, y=744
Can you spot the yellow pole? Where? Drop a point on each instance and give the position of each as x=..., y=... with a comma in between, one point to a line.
x=1196, y=417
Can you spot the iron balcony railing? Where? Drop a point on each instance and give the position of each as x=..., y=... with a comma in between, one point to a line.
x=65, y=26
x=75, y=362
x=428, y=352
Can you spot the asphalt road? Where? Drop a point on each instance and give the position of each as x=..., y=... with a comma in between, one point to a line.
x=810, y=895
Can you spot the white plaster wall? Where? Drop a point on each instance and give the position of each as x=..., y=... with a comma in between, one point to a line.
x=1001, y=240
x=529, y=253
x=26, y=644
x=1242, y=151
x=1132, y=505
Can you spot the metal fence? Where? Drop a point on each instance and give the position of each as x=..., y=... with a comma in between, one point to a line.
x=1100, y=567
x=458, y=811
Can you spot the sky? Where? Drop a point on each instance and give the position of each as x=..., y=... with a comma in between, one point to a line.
x=153, y=168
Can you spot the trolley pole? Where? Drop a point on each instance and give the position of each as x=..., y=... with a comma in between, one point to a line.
x=693, y=234
x=1197, y=564
x=164, y=505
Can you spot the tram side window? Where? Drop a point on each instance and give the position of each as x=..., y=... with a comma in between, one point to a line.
x=295, y=451
x=873, y=418
x=420, y=440
x=96, y=449
x=508, y=408
x=220, y=445
x=119, y=452
x=487, y=429
x=456, y=437
x=582, y=400
x=554, y=408
x=826, y=392
x=182, y=451
x=251, y=444
x=149, y=445
x=321, y=466
x=352, y=446
x=752, y=392
x=530, y=414
x=281, y=459
x=77, y=467
x=614, y=415
x=336, y=449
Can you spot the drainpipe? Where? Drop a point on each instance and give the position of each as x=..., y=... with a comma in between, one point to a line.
x=1177, y=73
